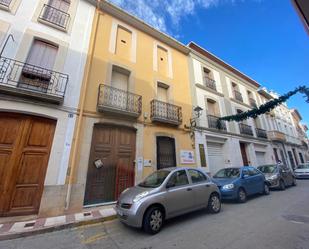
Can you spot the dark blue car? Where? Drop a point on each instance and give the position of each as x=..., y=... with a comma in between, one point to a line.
x=238, y=183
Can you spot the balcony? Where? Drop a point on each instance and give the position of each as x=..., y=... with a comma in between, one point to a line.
x=277, y=136
x=210, y=83
x=5, y=4
x=245, y=129
x=238, y=96
x=165, y=113
x=252, y=102
x=114, y=100
x=54, y=16
x=212, y=123
x=261, y=133
x=26, y=80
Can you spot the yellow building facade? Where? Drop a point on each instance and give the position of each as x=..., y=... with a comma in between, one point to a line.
x=134, y=107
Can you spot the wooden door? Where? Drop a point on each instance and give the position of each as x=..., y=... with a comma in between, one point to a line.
x=25, y=143
x=244, y=154
x=166, y=155
x=114, y=148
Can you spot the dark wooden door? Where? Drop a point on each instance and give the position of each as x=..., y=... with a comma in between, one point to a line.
x=276, y=155
x=114, y=147
x=25, y=144
x=244, y=154
x=291, y=159
x=166, y=155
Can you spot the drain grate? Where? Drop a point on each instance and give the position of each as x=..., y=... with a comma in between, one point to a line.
x=31, y=224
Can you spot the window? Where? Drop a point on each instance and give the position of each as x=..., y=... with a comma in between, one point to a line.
x=179, y=178
x=124, y=42
x=162, y=92
x=120, y=78
x=162, y=56
x=253, y=172
x=36, y=74
x=196, y=176
x=56, y=12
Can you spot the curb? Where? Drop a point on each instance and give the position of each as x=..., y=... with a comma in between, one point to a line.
x=55, y=228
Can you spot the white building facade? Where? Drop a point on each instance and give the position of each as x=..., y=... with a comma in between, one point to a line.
x=45, y=45
x=221, y=90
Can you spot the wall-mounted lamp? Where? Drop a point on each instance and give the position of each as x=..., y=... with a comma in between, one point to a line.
x=197, y=112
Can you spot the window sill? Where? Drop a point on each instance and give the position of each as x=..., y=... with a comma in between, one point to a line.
x=40, y=20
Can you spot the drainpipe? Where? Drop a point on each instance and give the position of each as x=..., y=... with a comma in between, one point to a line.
x=80, y=117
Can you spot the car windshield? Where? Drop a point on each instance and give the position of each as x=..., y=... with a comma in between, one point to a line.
x=303, y=166
x=228, y=173
x=268, y=169
x=155, y=179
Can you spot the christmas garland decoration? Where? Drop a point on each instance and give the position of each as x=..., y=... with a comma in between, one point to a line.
x=264, y=108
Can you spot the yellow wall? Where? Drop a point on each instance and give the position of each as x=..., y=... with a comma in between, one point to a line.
x=143, y=82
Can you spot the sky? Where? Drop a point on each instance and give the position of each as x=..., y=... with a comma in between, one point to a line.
x=264, y=39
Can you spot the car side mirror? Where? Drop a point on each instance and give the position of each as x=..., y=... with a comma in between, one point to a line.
x=170, y=185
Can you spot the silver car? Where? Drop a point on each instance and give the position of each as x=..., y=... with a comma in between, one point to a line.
x=278, y=176
x=302, y=171
x=164, y=194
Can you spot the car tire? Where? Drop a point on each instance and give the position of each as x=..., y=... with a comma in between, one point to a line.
x=266, y=189
x=281, y=185
x=241, y=195
x=294, y=182
x=214, y=203
x=153, y=220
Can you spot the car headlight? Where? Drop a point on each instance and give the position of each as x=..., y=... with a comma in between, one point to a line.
x=228, y=186
x=140, y=196
x=273, y=177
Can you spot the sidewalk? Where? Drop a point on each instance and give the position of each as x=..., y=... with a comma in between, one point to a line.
x=12, y=230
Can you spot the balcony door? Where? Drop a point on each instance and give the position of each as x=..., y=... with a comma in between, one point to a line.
x=36, y=74
x=166, y=154
x=162, y=95
x=244, y=154
x=120, y=82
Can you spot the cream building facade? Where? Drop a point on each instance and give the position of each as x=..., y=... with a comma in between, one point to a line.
x=44, y=50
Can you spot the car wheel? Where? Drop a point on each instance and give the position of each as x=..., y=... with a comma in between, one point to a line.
x=242, y=196
x=153, y=220
x=214, y=204
x=294, y=183
x=281, y=185
x=266, y=189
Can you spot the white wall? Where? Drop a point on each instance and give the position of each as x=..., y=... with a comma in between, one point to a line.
x=74, y=60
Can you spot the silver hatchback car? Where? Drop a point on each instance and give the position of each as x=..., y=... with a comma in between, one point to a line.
x=167, y=193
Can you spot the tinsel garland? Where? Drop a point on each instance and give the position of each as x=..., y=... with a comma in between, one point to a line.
x=264, y=108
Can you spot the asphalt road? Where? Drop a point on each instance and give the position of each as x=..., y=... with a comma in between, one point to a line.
x=277, y=221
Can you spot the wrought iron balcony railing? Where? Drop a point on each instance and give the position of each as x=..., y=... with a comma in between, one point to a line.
x=21, y=78
x=114, y=100
x=261, y=133
x=238, y=96
x=245, y=129
x=252, y=102
x=55, y=16
x=5, y=3
x=213, y=121
x=210, y=83
x=165, y=112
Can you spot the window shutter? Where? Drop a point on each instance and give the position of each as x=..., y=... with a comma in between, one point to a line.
x=42, y=54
